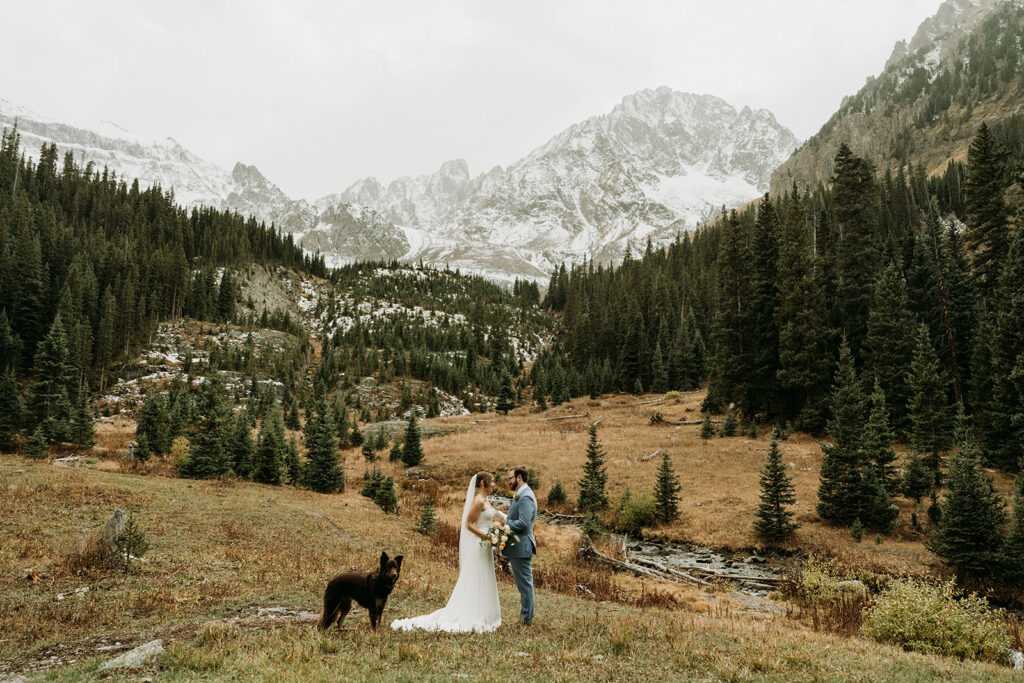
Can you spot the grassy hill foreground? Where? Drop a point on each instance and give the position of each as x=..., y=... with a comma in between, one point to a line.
x=234, y=575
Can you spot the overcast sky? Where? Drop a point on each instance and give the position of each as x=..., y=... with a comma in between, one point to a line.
x=318, y=94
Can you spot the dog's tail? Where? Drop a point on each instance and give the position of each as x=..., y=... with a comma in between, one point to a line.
x=329, y=612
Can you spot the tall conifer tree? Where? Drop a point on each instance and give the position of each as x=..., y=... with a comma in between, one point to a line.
x=774, y=518
x=593, y=495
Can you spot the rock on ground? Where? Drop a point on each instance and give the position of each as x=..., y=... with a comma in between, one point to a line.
x=112, y=529
x=134, y=659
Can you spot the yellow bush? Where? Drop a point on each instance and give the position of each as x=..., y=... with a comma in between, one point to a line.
x=179, y=450
x=934, y=620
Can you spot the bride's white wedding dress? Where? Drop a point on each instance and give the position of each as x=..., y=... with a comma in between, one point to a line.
x=474, y=604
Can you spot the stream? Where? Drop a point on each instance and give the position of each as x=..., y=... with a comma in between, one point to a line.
x=682, y=562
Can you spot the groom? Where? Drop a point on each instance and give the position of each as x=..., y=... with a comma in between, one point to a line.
x=521, y=516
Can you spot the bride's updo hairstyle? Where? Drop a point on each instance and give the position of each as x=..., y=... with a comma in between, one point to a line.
x=484, y=479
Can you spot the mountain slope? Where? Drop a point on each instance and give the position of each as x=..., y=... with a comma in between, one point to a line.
x=659, y=162
x=962, y=66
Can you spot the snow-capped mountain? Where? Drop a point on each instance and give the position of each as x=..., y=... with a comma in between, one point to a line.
x=660, y=162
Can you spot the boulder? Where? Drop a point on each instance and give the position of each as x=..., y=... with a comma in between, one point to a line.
x=1018, y=661
x=137, y=658
x=111, y=530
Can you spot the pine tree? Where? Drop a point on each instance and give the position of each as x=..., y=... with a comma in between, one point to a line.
x=988, y=215
x=12, y=409
x=268, y=465
x=730, y=425
x=292, y=418
x=82, y=430
x=1013, y=547
x=372, y=481
x=207, y=457
x=38, y=446
x=395, y=454
x=153, y=422
x=659, y=372
x=369, y=454
x=142, y=450
x=774, y=520
x=707, y=430
x=239, y=446
x=918, y=478
x=854, y=193
x=387, y=497
x=323, y=471
x=968, y=536
x=557, y=493
x=999, y=395
x=889, y=347
x=761, y=384
x=878, y=441
x=292, y=463
x=593, y=495
x=930, y=411
x=732, y=361
x=506, y=399
x=51, y=392
x=839, y=493
x=412, y=452
x=426, y=523
x=666, y=491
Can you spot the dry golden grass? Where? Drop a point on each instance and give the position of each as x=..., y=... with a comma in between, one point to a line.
x=219, y=548
x=719, y=475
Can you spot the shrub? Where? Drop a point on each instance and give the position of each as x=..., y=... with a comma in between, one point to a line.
x=672, y=395
x=934, y=620
x=426, y=524
x=556, y=494
x=730, y=425
x=179, y=450
x=131, y=544
x=533, y=479
x=634, y=512
x=386, y=496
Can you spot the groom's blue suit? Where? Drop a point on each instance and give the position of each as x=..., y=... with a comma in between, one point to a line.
x=521, y=516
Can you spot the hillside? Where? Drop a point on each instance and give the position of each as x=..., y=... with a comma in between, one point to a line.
x=233, y=578
x=963, y=66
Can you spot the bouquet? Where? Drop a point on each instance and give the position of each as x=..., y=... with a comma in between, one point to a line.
x=499, y=536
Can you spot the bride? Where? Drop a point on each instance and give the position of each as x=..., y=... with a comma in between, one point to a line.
x=474, y=604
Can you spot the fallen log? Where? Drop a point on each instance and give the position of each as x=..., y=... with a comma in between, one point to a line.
x=659, y=419
x=563, y=417
x=647, y=403
x=479, y=421
x=647, y=458
x=557, y=517
x=669, y=570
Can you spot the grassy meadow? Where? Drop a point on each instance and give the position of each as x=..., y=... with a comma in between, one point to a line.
x=222, y=553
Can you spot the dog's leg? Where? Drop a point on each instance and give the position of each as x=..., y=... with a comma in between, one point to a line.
x=375, y=612
x=343, y=608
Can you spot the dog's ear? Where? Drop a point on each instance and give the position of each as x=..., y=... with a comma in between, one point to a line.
x=383, y=558
x=398, y=561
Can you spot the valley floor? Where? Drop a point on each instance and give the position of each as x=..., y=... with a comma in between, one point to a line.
x=235, y=571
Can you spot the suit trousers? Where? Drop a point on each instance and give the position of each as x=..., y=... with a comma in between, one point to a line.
x=522, y=571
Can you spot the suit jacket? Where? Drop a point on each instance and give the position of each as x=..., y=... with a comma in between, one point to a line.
x=521, y=516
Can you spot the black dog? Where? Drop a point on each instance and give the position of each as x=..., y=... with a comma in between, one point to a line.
x=369, y=589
